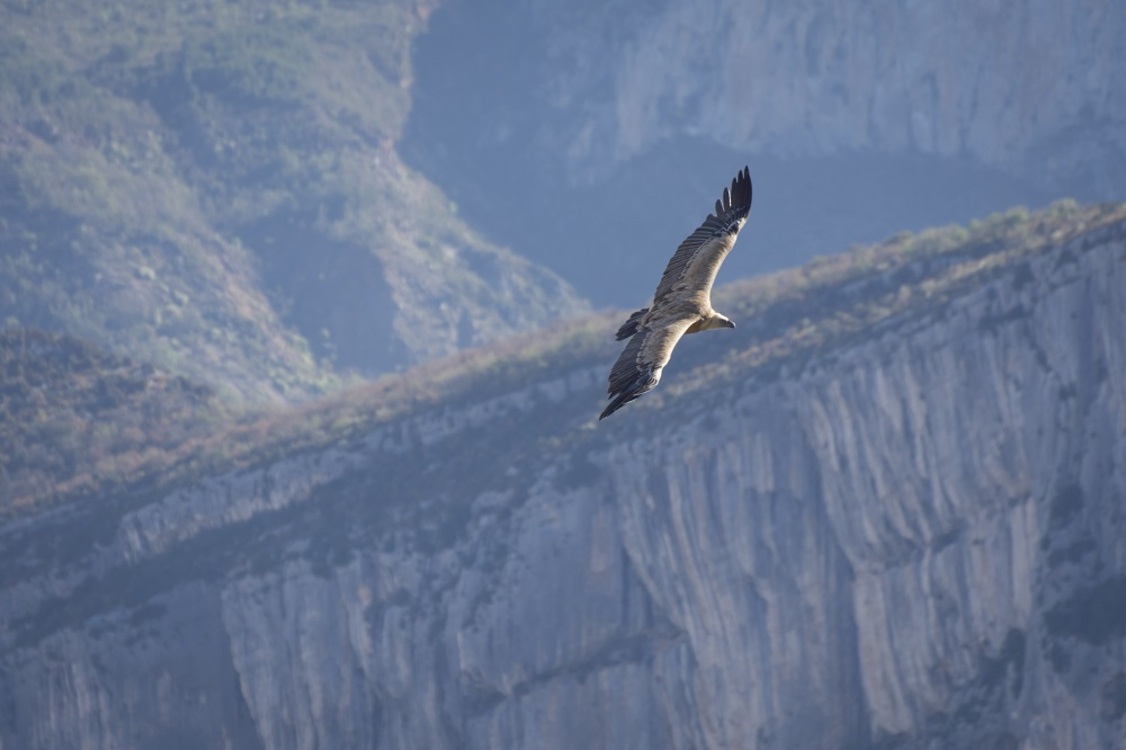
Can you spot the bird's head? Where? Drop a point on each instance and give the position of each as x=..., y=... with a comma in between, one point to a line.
x=717, y=321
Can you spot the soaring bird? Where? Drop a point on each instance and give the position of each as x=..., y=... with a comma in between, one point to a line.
x=683, y=300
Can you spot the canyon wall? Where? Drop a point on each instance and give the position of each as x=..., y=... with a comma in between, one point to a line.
x=911, y=538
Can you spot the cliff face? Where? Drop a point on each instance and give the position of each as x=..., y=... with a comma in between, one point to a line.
x=857, y=121
x=1033, y=87
x=911, y=537
x=1006, y=83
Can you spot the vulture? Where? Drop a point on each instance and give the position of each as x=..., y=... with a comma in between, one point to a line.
x=682, y=303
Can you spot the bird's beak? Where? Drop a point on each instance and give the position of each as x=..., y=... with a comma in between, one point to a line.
x=729, y=324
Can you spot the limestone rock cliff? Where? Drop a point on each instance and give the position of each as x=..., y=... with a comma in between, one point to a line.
x=858, y=121
x=1000, y=81
x=906, y=534
x=1032, y=87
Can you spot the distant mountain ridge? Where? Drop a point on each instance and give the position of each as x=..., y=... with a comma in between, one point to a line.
x=790, y=313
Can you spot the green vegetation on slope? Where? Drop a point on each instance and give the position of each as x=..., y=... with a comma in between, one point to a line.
x=213, y=187
x=73, y=418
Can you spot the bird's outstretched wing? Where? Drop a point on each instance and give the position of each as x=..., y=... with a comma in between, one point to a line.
x=682, y=300
x=694, y=265
x=638, y=369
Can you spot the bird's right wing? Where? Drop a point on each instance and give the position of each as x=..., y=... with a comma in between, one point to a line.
x=638, y=369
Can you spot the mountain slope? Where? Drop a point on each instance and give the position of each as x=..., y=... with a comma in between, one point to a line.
x=214, y=188
x=884, y=512
x=74, y=417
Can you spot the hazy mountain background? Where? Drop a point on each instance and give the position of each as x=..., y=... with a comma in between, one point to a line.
x=298, y=375
x=214, y=187
x=610, y=124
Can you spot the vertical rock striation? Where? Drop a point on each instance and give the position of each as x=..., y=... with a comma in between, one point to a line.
x=1002, y=82
x=1034, y=88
